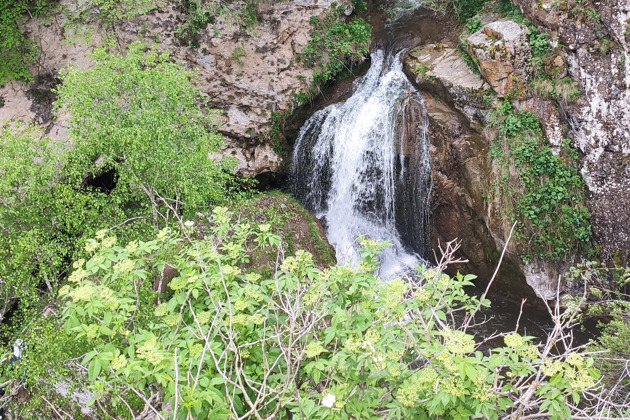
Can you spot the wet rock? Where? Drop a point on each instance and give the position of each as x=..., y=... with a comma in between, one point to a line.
x=42, y=96
x=460, y=207
x=502, y=51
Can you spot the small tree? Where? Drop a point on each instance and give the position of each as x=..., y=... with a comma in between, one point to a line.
x=141, y=119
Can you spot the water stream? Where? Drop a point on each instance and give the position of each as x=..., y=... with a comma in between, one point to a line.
x=352, y=168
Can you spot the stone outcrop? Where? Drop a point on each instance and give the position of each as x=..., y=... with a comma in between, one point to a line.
x=440, y=70
x=502, y=51
x=462, y=204
x=461, y=172
x=590, y=43
x=248, y=74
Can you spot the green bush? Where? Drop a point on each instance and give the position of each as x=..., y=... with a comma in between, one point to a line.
x=228, y=342
x=141, y=116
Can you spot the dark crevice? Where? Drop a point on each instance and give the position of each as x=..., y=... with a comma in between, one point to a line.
x=105, y=181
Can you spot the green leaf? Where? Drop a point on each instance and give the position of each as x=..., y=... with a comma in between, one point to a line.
x=94, y=369
x=88, y=357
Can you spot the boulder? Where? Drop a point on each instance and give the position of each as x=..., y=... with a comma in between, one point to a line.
x=442, y=71
x=502, y=52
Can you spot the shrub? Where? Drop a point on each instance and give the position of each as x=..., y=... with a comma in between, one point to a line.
x=226, y=341
x=141, y=116
x=336, y=45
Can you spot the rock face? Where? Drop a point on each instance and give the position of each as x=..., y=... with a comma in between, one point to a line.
x=597, y=52
x=246, y=73
x=463, y=173
x=596, y=56
x=466, y=203
x=502, y=51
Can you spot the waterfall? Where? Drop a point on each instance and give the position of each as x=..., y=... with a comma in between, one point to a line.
x=362, y=167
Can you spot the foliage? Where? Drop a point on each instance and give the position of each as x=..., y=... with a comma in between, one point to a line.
x=279, y=119
x=41, y=216
x=421, y=69
x=606, y=45
x=238, y=55
x=107, y=12
x=566, y=88
x=200, y=13
x=463, y=10
x=541, y=48
x=550, y=206
x=505, y=8
x=140, y=115
x=610, y=307
x=136, y=119
x=285, y=215
x=228, y=342
x=468, y=59
x=16, y=50
x=359, y=6
x=42, y=369
x=474, y=24
x=335, y=45
x=197, y=18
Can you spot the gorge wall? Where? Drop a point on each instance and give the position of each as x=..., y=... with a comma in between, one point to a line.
x=247, y=73
x=250, y=74
x=581, y=100
x=596, y=36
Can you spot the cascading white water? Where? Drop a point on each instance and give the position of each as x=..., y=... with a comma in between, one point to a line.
x=353, y=168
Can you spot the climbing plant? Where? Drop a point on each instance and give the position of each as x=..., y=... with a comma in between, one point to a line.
x=548, y=197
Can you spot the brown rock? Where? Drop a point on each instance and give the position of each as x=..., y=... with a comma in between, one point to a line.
x=502, y=51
